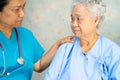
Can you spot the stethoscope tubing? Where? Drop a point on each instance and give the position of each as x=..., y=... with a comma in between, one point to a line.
x=4, y=62
x=20, y=60
x=18, y=40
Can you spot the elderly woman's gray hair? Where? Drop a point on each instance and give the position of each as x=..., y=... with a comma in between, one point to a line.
x=95, y=7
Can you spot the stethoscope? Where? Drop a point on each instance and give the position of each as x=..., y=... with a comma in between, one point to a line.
x=20, y=60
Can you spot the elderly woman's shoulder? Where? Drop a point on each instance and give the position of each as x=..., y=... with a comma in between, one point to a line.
x=67, y=45
x=108, y=42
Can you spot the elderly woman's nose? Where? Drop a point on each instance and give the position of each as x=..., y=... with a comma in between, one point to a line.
x=74, y=23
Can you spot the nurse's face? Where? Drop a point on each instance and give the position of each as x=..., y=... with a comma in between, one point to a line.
x=12, y=14
x=82, y=23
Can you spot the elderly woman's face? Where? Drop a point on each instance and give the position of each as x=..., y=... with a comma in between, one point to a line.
x=82, y=23
x=12, y=14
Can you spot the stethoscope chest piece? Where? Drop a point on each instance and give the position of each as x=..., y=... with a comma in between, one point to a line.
x=20, y=61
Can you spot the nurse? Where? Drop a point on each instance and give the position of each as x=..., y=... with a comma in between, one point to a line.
x=91, y=56
x=20, y=52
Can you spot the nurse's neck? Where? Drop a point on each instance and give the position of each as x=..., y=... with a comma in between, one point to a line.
x=7, y=31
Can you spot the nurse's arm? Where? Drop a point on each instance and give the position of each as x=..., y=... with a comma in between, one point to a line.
x=45, y=61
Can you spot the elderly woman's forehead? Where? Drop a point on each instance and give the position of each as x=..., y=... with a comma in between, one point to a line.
x=80, y=10
x=80, y=7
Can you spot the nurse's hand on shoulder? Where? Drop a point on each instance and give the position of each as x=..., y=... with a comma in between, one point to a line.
x=64, y=40
x=44, y=62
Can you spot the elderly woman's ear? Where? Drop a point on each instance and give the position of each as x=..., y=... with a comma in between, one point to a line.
x=97, y=20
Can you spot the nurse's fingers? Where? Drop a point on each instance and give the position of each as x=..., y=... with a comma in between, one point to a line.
x=67, y=39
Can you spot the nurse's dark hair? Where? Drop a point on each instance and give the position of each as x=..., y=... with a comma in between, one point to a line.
x=3, y=3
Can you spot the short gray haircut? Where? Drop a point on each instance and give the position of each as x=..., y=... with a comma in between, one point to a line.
x=95, y=7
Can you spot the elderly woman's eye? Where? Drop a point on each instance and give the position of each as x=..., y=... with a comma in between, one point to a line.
x=72, y=19
x=78, y=19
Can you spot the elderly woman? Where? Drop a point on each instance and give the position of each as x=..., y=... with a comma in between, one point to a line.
x=91, y=56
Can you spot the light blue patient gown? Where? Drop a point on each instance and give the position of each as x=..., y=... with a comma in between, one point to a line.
x=31, y=50
x=102, y=62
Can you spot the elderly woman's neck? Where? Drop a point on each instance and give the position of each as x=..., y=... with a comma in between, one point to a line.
x=88, y=39
x=88, y=42
x=7, y=31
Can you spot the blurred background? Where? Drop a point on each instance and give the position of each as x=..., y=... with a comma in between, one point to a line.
x=49, y=20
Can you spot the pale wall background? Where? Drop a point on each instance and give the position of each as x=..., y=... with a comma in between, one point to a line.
x=49, y=20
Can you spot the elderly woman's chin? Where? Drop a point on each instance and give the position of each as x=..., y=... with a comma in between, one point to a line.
x=77, y=34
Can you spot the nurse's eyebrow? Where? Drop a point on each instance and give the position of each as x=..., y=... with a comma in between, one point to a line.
x=19, y=5
x=24, y=4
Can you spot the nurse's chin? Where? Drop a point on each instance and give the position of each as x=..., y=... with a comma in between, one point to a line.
x=17, y=25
